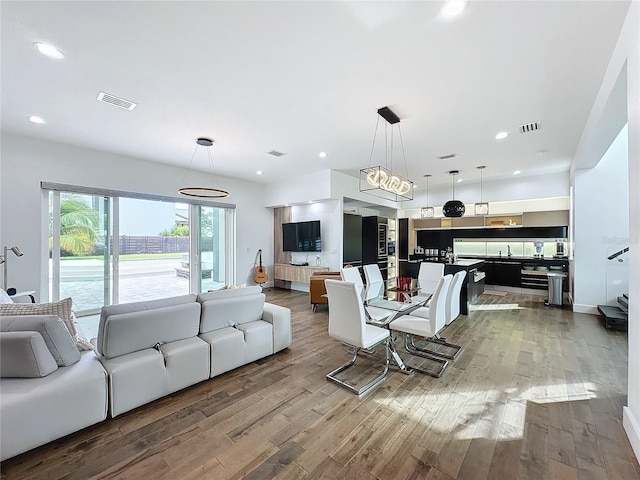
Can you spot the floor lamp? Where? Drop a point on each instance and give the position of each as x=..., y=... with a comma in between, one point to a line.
x=4, y=258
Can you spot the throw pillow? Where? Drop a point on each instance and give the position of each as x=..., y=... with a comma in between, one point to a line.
x=62, y=309
x=52, y=329
x=25, y=355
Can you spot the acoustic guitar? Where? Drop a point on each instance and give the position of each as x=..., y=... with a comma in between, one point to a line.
x=261, y=272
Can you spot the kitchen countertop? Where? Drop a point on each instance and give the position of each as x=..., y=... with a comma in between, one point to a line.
x=462, y=262
x=516, y=258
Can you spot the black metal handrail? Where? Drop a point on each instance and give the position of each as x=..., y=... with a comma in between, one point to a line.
x=617, y=254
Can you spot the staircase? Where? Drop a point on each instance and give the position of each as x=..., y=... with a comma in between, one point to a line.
x=616, y=317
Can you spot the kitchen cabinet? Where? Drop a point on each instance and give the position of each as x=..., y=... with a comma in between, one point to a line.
x=502, y=272
x=295, y=273
x=509, y=272
x=524, y=272
x=352, y=239
x=374, y=242
x=402, y=245
x=545, y=219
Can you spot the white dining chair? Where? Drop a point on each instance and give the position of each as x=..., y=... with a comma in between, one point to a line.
x=347, y=323
x=374, y=289
x=437, y=315
x=453, y=297
x=412, y=326
x=429, y=275
x=375, y=314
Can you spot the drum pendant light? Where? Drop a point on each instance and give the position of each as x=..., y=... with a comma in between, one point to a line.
x=453, y=208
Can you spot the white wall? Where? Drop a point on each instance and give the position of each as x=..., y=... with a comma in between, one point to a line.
x=314, y=187
x=514, y=189
x=343, y=185
x=626, y=61
x=630, y=47
x=601, y=227
x=28, y=161
x=503, y=208
x=330, y=215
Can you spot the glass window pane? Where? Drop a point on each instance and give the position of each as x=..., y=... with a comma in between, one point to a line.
x=154, y=250
x=85, y=261
x=212, y=247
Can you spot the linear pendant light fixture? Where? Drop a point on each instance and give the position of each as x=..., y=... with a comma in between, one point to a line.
x=453, y=208
x=481, y=208
x=382, y=181
x=427, y=212
x=206, y=191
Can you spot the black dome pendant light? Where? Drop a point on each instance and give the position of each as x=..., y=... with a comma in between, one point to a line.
x=453, y=208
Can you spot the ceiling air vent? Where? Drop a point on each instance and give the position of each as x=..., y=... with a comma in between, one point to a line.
x=447, y=157
x=276, y=153
x=118, y=102
x=530, y=127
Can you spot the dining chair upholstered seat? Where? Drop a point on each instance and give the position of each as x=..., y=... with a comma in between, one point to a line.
x=347, y=323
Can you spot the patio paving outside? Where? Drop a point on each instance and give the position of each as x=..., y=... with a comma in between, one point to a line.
x=147, y=279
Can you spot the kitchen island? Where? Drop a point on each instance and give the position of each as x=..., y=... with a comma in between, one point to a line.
x=473, y=285
x=523, y=272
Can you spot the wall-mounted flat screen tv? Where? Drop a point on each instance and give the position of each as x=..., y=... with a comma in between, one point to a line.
x=301, y=237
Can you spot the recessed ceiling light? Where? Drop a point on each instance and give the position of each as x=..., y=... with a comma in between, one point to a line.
x=415, y=186
x=310, y=201
x=517, y=172
x=259, y=172
x=36, y=119
x=49, y=50
x=323, y=154
x=502, y=135
x=453, y=8
x=459, y=180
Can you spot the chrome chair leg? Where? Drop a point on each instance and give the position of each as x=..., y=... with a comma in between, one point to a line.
x=410, y=347
x=439, y=341
x=391, y=350
x=359, y=391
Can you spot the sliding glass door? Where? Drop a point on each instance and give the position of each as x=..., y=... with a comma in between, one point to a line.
x=212, y=248
x=108, y=249
x=81, y=262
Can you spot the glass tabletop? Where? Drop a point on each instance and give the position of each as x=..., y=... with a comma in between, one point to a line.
x=391, y=304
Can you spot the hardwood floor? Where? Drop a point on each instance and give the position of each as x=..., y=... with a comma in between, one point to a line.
x=537, y=393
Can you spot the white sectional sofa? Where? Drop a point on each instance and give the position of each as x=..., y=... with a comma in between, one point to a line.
x=150, y=349
x=48, y=388
x=241, y=327
x=143, y=351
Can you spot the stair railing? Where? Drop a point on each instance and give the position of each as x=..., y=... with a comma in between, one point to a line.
x=618, y=253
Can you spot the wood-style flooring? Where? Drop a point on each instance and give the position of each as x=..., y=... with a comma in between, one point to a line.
x=537, y=393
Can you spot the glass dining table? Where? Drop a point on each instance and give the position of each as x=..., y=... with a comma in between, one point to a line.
x=396, y=309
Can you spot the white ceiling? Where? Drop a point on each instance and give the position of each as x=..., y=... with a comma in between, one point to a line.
x=304, y=77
